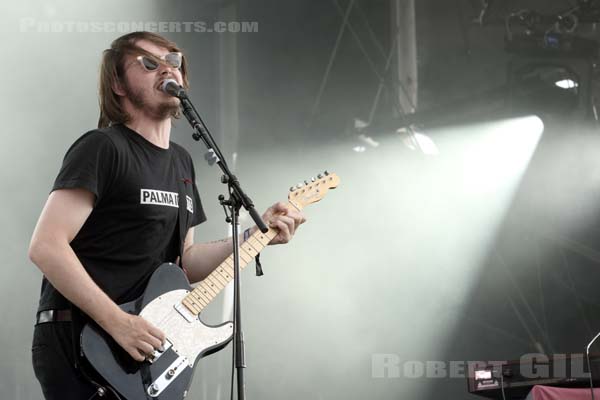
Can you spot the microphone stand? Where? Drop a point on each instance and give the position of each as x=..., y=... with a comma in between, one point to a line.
x=237, y=199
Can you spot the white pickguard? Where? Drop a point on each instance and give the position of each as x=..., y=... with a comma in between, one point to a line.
x=189, y=339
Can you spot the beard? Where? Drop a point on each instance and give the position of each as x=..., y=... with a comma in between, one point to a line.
x=139, y=98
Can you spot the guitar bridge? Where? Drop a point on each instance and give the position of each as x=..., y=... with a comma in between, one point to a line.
x=157, y=353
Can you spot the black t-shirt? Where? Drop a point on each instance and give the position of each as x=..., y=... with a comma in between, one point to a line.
x=133, y=227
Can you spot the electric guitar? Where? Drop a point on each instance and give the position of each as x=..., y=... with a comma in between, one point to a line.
x=172, y=305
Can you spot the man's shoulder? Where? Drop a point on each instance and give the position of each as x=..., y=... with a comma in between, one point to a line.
x=111, y=138
x=113, y=133
x=180, y=151
x=109, y=134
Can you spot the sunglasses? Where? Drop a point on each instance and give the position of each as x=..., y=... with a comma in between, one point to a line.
x=173, y=60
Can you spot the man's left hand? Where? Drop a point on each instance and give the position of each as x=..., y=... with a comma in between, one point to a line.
x=284, y=219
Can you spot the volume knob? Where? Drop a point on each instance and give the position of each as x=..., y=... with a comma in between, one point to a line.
x=153, y=389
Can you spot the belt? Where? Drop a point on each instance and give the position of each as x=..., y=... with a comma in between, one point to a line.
x=54, y=316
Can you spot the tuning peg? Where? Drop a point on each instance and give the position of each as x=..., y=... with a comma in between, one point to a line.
x=299, y=185
x=312, y=179
x=320, y=176
x=292, y=189
x=306, y=183
x=326, y=172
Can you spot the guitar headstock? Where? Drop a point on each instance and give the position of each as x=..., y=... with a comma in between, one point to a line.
x=314, y=190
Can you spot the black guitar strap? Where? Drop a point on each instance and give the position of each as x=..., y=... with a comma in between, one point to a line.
x=183, y=220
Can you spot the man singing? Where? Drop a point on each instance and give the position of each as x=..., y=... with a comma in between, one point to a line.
x=110, y=219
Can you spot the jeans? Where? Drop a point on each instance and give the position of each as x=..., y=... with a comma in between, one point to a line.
x=53, y=358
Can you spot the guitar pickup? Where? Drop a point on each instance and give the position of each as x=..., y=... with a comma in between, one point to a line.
x=156, y=354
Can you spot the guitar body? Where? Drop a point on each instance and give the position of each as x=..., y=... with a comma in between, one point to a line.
x=169, y=374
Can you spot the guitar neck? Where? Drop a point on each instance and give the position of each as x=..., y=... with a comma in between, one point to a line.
x=216, y=281
x=211, y=286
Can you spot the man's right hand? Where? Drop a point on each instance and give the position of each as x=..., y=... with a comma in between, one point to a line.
x=137, y=336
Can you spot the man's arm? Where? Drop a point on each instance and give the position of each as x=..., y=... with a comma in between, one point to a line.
x=63, y=216
x=201, y=259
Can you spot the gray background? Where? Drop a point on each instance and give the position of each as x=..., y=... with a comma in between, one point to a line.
x=468, y=255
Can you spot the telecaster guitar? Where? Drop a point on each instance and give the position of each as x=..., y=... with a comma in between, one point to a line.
x=172, y=305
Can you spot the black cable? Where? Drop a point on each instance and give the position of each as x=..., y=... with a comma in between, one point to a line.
x=96, y=393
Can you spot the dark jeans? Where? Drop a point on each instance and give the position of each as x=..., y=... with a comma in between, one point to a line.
x=53, y=358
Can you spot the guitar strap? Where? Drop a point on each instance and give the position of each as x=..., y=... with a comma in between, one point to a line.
x=183, y=218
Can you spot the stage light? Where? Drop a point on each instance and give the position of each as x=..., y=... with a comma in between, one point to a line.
x=364, y=141
x=359, y=124
x=369, y=141
x=415, y=140
x=549, y=88
x=566, y=84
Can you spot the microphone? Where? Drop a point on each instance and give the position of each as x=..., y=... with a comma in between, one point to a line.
x=170, y=86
